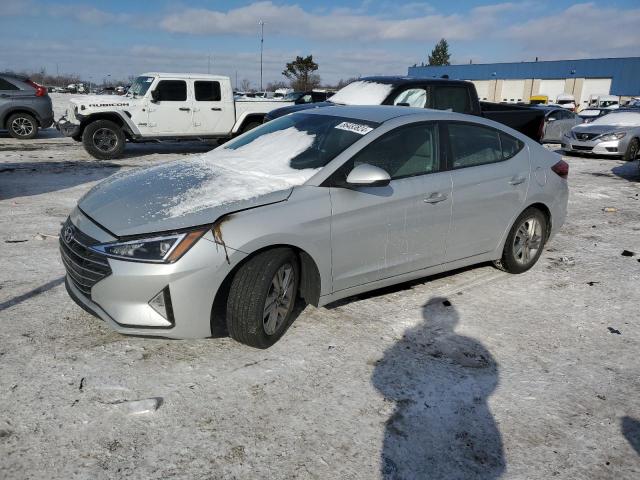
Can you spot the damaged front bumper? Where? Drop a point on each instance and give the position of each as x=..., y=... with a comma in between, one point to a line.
x=67, y=128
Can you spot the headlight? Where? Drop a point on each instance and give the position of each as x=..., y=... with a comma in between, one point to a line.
x=164, y=249
x=611, y=136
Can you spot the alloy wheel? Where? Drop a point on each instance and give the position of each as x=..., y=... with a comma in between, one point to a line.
x=105, y=140
x=22, y=126
x=279, y=299
x=527, y=241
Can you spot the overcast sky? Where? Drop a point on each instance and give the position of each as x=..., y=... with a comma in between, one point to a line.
x=346, y=38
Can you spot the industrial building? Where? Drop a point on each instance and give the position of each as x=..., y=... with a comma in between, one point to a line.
x=517, y=82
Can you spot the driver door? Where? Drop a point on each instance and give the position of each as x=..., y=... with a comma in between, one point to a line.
x=381, y=232
x=171, y=109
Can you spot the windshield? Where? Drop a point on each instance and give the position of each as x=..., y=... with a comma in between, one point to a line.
x=619, y=119
x=293, y=96
x=140, y=86
x=608, y=103
x=298, y=141
x=363, y=92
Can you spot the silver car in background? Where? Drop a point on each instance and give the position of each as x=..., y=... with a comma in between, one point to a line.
x=616, y=134
x=312, y=207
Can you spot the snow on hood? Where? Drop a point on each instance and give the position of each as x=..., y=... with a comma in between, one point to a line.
x=362, y=93
x=258, y=168
x=197, y=190
x=106, y=100
x=621, y=119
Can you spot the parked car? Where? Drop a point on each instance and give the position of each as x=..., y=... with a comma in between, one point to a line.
x=557, y=122
x=590, y=114
x=162, y=106
x=440, y=94
x=604, y=101
x=566, y=100
x=25, y=107
x=539, y=100
x=311, y=207
x=615, y=134
x=311, y=96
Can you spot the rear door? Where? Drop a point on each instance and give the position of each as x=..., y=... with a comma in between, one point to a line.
x=381, y=232
x=172, y=112
x=490, y=172
x=13, y=93
x=557, y=123
x=213, y=109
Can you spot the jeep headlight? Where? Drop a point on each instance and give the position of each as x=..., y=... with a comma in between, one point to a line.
x=161, y=249
x=605, y=137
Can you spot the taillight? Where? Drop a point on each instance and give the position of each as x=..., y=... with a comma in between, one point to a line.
x=561, y=169
x=40, y=90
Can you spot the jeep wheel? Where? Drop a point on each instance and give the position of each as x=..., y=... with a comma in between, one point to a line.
x=103, y=139
x=22, y=126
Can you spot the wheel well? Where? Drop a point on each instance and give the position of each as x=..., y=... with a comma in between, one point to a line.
x=309, y=289
x=546, y=212
x=254, y=117
x=105, y=116
x=5, y=121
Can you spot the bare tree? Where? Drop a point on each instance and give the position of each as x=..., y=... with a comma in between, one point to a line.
x=245, y=86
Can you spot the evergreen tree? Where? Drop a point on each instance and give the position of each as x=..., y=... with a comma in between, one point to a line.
x=440, y=53
x=300, y=73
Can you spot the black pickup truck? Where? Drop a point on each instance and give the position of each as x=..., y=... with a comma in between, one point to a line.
x=440, y=94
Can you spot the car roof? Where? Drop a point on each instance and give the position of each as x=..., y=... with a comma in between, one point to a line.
x=183, y=75
x=380, y=113
x=402, y=81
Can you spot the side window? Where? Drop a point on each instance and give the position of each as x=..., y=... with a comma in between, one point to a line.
x=404, y=152
x=5, y=85
x=207, y=91
x=172, y=90
x=414, y=97
x=473, y=145
x=455, y=99
x=510, y=146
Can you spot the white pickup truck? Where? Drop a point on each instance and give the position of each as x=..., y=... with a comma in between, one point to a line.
x=162, y=106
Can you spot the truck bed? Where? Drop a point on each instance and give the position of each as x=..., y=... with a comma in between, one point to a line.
x=526, y=120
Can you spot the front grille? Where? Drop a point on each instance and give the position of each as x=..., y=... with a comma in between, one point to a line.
x=580, y=147
x=84, y=266
x=585, y=136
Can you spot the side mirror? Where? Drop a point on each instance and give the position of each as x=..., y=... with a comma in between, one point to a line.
x=155, y=96
x=368, y=175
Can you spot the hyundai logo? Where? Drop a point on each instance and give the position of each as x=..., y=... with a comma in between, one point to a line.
x=67, y=234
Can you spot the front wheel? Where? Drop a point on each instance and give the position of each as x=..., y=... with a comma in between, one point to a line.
x=22, y=126
x=103, y=139
x=262, y=297
x=632, y=150
x=524, y=243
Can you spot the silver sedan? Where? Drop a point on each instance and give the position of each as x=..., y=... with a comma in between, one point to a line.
x=616, y=134
x=312, y=207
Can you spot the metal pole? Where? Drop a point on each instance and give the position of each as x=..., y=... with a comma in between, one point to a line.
x=261, y=23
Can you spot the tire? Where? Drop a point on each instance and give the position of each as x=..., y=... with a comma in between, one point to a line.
x=103, y=139
x=253, y=285
x=250, y=126
x=22, y=126
x=632, y=150
x=516, y=257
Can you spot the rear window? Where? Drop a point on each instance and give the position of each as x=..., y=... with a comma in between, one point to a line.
x=6, y=85
x=455, y=99
x=207, y=91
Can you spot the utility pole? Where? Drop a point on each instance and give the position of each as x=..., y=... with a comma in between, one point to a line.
x=209, y=64
x=261, y=23
x=236, y=80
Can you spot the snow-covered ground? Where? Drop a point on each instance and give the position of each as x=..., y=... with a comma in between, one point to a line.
x=476, y=374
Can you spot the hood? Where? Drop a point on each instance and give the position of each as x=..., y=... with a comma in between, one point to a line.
x=595, y=129
x=198, y=190
x=104, y=101
x=282, y=111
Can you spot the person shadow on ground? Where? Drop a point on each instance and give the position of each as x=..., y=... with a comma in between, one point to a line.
x=440, y=381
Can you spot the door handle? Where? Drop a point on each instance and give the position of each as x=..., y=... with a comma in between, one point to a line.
x=217, y=109
x=517, y=180
x=435, y=198
x=184, y=109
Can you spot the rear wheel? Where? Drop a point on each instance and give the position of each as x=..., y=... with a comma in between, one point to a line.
x=22, y=126
x=262, y=297
x=632, y=150
x=524, y=243
x=103, y=139
x=250, y=126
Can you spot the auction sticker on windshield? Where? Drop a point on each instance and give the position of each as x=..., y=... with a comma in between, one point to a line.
x=354, y=127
